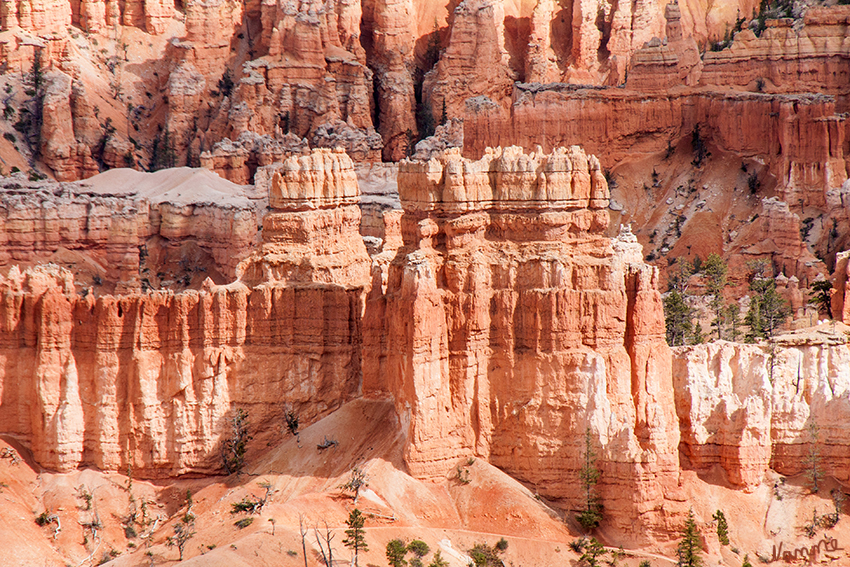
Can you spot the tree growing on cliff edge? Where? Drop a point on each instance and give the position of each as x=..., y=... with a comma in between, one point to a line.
x=236, y=445
x=715, y=270
x=590, y=517
x=677, y=318
x=688, y=551
x=355, y=535
x=821, y=296
x=768, y=310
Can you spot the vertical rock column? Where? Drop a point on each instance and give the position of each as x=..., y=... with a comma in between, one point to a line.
x=513, y=325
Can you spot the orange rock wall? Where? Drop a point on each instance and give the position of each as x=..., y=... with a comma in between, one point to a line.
x=746, y=413
x=813, y=58
x=801, y=136
x=37, y=223
x=150, y=380
x=505, y=333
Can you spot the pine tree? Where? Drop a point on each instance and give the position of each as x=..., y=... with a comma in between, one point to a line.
x=722, y=527
x=592, y=552
x=715, y=270
x=813, y=468
x=590, y=517
x=768, y=310
x=396, y=550
x=733, y=318
x=697, y=337
x=355, y=535
x=822, y=296
x=688, y=550
x=438, y=561
x=677, y=318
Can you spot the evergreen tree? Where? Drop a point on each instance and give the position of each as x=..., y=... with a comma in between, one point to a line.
x=355, y=535
x=677, y=318
x=592, y=552
x=733, y=318
x=688, y=550
x=396, y=550
x=590, y=517
x=768, y=310
x=822, y=296
x=715, y=270
x=419, y=549
x=438, y=561
x=697, y=337
x=722, y=527
x=678, y=279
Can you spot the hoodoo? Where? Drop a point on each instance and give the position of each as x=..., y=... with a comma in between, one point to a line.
x=512, y=324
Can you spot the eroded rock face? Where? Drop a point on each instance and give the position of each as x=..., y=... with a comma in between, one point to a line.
x=507, y=324
x=150, y=380
x=787, y=58
x=146, y=221
x=747, y=413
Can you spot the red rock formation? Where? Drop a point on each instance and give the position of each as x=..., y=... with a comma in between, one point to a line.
x=149, y=380
x=775, y=237
x=840, y=296
x=746, y=412
x=393, y=44
x=787, y=58
x=505, y=334
x=111, y=225
x=660, y=66
x=475, y=63
x=801, y=136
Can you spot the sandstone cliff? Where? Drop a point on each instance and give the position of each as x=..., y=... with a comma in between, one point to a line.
x=748, y=408
x=506, y=323
x=123, y=230
x=149, y=380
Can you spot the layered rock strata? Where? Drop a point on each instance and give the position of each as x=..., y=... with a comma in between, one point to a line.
x=151, y=380
x=123, y=221
x=801, y=136
x=748, y=409
x=506, y=324
x=787, y=57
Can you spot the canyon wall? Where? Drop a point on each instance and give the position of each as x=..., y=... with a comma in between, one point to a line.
x=133, y=229
x=149, y=380
x=747, y=409
x=505, y=324
x=801, y=137
x=235, y=86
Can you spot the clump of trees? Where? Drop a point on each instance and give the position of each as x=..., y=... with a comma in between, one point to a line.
x=397, y=551
x=768, y=310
